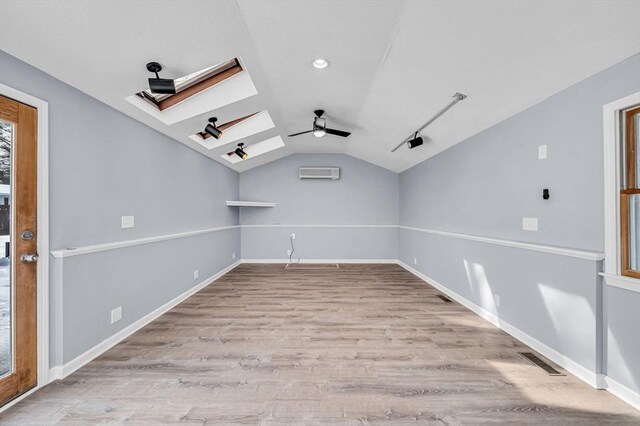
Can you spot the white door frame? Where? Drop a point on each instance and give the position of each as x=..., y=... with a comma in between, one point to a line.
x=43, y=234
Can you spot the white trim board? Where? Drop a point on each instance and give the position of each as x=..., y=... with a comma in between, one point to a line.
x=562, y=251
x=621, y=391
x=568, y=364
x=89, y=355
x=620, y=281
x=318, y=226
x=321, y=261
x=76, y=251
x=42, y=302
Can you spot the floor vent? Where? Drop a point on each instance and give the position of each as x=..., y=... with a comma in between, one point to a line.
x=444, y=298
x=540, y=363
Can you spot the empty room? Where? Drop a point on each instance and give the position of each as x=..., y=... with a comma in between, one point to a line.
x=290, y=212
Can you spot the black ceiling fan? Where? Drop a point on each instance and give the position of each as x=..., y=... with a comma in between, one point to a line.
x=320, y=127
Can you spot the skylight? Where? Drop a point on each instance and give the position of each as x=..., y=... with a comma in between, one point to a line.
x=192, y=84
x=197, y=93
x=255, y=150
x=236, y=130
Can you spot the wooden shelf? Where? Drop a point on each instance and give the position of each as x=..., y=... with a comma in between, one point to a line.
x=250, y=204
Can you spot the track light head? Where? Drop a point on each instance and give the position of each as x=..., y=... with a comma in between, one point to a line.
x=163, y=86
x=416, y=141
x=240, y=152
x=212, y=129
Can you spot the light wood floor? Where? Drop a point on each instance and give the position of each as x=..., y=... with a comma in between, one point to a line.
x=363, y=344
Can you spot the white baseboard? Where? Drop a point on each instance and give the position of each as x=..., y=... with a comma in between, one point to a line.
x=55, y=373
x=629, y=396
x=598, y=381
x=568, y=364
x=317, y=261
x=63, y=371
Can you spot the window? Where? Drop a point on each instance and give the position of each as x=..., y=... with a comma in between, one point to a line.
x=630, y=194
x=204, y=135
x=192, y=84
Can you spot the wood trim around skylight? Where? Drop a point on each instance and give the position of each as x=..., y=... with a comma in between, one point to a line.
x=200, y=83
x=204, y=135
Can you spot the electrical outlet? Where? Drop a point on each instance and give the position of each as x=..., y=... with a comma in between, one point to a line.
x=496, y=298
x=415, y=260
x=196, y=274
x=542, y=152
x=288, y=252
x=293, y=236
x=127, y=222
x=530, y=223
x=116, y=314
x=233, y=256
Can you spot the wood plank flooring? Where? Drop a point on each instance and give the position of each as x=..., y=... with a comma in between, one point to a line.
x=318, y=345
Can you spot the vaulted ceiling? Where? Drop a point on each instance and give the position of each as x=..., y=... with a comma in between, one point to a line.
x=393, y=63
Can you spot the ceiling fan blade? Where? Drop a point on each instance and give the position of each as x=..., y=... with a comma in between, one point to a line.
x=338, y=132
x=301, y=133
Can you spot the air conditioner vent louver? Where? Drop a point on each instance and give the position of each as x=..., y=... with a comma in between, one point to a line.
x=332, y=173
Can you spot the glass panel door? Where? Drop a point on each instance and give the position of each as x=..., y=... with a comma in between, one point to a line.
x=18, y=243
x=6, y=294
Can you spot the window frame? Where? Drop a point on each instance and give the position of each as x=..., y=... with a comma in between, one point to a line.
x=629, y=187
x=612, y=121
x=191, y=87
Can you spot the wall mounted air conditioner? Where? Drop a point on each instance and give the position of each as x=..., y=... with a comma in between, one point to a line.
x=332, y=173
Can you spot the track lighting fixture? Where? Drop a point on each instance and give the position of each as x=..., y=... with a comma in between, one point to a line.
x=416, y=141
x=241, y=152
x=212, y=129
x=165, y=86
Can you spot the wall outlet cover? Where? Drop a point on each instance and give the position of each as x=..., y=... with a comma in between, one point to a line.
x=196, y=274
x=415, y=260
x=542, y=152
x=293, y=236
x=496, y=298
x=127, y=222
x=116, y=314
x=233, y=256
x=530, y=223
x=288, y=252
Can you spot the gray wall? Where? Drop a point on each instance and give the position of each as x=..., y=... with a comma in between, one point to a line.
x=486, y=184
x=365, y=195
x=103, y=165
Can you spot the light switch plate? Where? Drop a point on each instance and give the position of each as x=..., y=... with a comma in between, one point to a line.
x=542, y=152
x=116, y=314
x=530, y=223
x=127, y=222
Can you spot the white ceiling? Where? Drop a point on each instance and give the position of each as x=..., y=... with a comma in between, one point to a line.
x=393, y=63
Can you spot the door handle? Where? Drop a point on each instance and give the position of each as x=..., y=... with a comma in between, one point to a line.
x=29, y=258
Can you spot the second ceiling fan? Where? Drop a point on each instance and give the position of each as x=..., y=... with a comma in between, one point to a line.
x=320, y=127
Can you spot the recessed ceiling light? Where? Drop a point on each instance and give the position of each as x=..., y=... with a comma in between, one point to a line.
x=320, y=63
